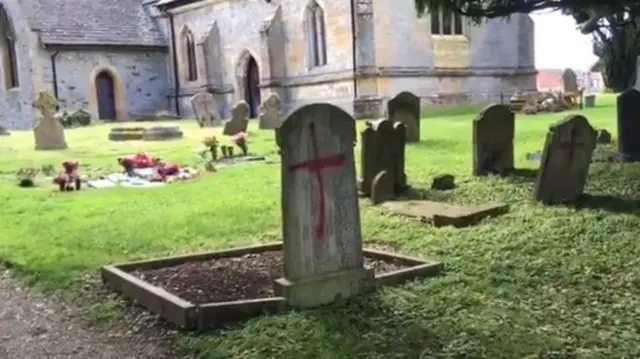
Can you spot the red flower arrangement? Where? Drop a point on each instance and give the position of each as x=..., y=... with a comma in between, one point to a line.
x=68, y=179
x=240, y=140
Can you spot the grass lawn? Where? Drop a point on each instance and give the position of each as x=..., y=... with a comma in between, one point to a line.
x=539, y=282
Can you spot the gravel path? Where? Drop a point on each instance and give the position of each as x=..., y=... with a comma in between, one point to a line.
x=33, y=326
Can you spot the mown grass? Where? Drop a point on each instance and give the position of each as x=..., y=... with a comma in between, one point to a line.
x=539, y=282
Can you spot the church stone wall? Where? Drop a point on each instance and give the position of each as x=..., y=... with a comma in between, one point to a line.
x=485, y=63
x=16, y=105
x=140, y=78
x=240, y=23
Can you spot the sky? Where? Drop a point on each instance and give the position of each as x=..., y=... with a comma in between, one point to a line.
x=559, y=45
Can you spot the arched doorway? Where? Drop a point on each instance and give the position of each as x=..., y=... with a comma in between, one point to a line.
x=105, y=93
x=251, y=88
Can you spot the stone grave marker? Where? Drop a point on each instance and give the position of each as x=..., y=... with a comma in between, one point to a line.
x=162, y=133
x=383, y=149
x=565, y=161
x=628, y=107
x=570, y=81
x=323, y=257
x=382, y=188
x=444, y=214
x=270, y=116
x=493, y=136
x=48, y=132
x=206, y=110
x=239, y=120
x=405, y=108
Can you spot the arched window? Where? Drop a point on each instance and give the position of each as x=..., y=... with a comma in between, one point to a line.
x=189, y=54
x=446, y=23
x=8, y=45
x=316, y=35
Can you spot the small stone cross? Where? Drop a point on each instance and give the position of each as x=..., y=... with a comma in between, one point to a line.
x=46, y=104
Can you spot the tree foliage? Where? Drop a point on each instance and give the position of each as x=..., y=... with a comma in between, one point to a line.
x=618, y=49
x=587, y=12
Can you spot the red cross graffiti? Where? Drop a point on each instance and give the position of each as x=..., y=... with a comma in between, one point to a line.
x=315, y=166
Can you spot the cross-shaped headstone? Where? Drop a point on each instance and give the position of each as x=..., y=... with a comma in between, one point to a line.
x=46, y=103
x=48, y=131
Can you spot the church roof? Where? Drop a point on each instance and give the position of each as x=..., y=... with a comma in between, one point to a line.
x=94, y=22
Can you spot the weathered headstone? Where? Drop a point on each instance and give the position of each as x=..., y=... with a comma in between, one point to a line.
x=565, y=161
x=628, y=104
x=239, y=120
x=493, y=136
x=205, y=109
x=323, y=257
x=570, y=81
x=382, y=188
x=383, y=149
x=270, y=116
x=48, y=132
x=405, y=108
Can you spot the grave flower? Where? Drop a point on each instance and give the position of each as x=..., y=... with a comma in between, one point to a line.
x=26, y=176
x=211, y=142
x=68, y=179
x=240, y=140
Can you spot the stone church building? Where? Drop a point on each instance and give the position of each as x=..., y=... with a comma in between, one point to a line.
x=129, y=59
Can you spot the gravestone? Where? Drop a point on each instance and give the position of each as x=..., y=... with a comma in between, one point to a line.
x=48, y=132
x=323, y=257
x=493, y=136
x=126, y=133
x=382, y=188
x=4, y=131
x=383, y=149
x=206, y=110
x=270, y=113
x=565, y=161
x=570, y=81
x=628, y=107
x=405, y=108
x=239, y=120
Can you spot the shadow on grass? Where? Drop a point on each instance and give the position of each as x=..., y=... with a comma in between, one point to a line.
x=400, y=333
x=522, y=175
x=607, y=203
x=392, y=328
x=433, y=143
x=424, y=194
